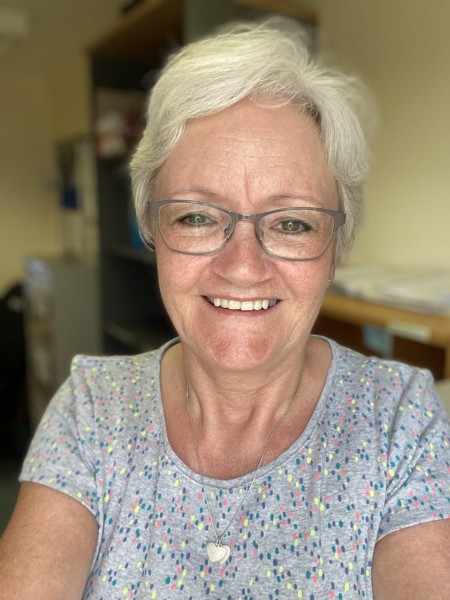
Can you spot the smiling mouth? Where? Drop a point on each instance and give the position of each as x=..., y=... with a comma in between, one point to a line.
x=246, y=305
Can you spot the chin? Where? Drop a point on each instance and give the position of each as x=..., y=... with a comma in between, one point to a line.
x=237, y=352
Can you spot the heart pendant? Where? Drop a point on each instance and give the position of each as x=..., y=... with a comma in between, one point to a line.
x=217, y=552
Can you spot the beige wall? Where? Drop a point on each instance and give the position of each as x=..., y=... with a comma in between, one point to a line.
x=28, y=216
x=69, y=97
x=36, y=111
x=402, y=50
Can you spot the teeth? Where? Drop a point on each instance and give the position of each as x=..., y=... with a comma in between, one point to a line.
x=246, y=305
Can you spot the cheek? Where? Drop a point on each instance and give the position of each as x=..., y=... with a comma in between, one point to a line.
x=170, y=280
x=172, y=285
x=307, y=277
x=178, y=274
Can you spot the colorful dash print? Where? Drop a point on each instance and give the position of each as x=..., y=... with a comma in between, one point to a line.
x=374, y=458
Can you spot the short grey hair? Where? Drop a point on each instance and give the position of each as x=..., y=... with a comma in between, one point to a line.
x=255, y=61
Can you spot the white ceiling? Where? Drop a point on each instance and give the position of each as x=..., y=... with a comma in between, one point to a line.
x=59, y=29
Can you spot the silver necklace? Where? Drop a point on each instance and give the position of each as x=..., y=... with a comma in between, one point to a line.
x=217, y=551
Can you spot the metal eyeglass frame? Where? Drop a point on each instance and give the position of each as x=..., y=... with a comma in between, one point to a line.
x=153, y=207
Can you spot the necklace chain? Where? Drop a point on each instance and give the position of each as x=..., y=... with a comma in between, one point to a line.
x=218, y=536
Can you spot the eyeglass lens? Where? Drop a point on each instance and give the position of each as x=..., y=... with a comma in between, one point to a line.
x=196, y=228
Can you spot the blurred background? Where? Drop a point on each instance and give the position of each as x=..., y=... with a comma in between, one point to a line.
x=73, y=274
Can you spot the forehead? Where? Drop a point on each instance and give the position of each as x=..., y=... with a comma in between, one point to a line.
x=250, y=148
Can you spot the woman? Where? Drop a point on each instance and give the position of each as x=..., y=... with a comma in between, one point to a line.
x=246, y=459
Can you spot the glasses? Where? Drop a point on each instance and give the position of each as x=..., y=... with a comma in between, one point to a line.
x=200, y=228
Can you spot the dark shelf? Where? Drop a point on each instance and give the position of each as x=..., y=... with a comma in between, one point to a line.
x=127, y=252
x=140, y=337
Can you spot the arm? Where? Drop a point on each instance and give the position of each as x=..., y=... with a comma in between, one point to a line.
x=47, y=549
x=413, y=563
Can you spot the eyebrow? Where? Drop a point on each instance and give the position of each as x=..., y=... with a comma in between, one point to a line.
x=298, y=198
x=269, y=203
x=177, y=194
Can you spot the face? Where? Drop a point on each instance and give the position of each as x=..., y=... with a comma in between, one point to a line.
x=249, y=159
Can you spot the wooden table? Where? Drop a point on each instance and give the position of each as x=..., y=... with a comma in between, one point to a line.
x=420, y=338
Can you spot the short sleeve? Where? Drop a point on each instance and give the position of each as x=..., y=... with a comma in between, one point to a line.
x=62, y=452
x=418, y=457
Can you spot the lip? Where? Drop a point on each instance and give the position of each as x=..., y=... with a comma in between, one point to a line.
x=242, y=306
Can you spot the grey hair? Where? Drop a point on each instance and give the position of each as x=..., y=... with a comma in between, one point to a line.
x=255, y=61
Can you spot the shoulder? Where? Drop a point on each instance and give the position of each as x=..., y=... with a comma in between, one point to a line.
x=102, y=390
x=99, y=367
x=380, y=377
x=116, y=372
x=389, y=397
x=112, y=387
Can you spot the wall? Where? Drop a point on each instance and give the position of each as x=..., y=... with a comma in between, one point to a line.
x=28, y=215
x=36, y=111
x=69, y=98
x=402, y=50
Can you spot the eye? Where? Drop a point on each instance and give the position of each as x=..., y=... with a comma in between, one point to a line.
x=293, y=226
x=195, y=219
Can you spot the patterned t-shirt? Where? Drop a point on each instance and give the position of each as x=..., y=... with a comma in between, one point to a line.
x=373, y=459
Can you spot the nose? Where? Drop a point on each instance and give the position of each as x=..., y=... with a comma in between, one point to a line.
x=243, y=260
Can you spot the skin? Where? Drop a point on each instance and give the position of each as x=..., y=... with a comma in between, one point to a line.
x=248, y=158
x=47, y=549
x=244, y=368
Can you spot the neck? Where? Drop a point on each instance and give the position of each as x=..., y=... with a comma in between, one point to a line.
x=238, y=396
x=234, y=414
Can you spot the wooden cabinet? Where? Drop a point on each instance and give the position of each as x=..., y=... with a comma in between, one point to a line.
x=419, y=339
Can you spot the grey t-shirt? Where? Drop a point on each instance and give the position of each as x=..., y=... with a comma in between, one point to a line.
x=373, y=459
